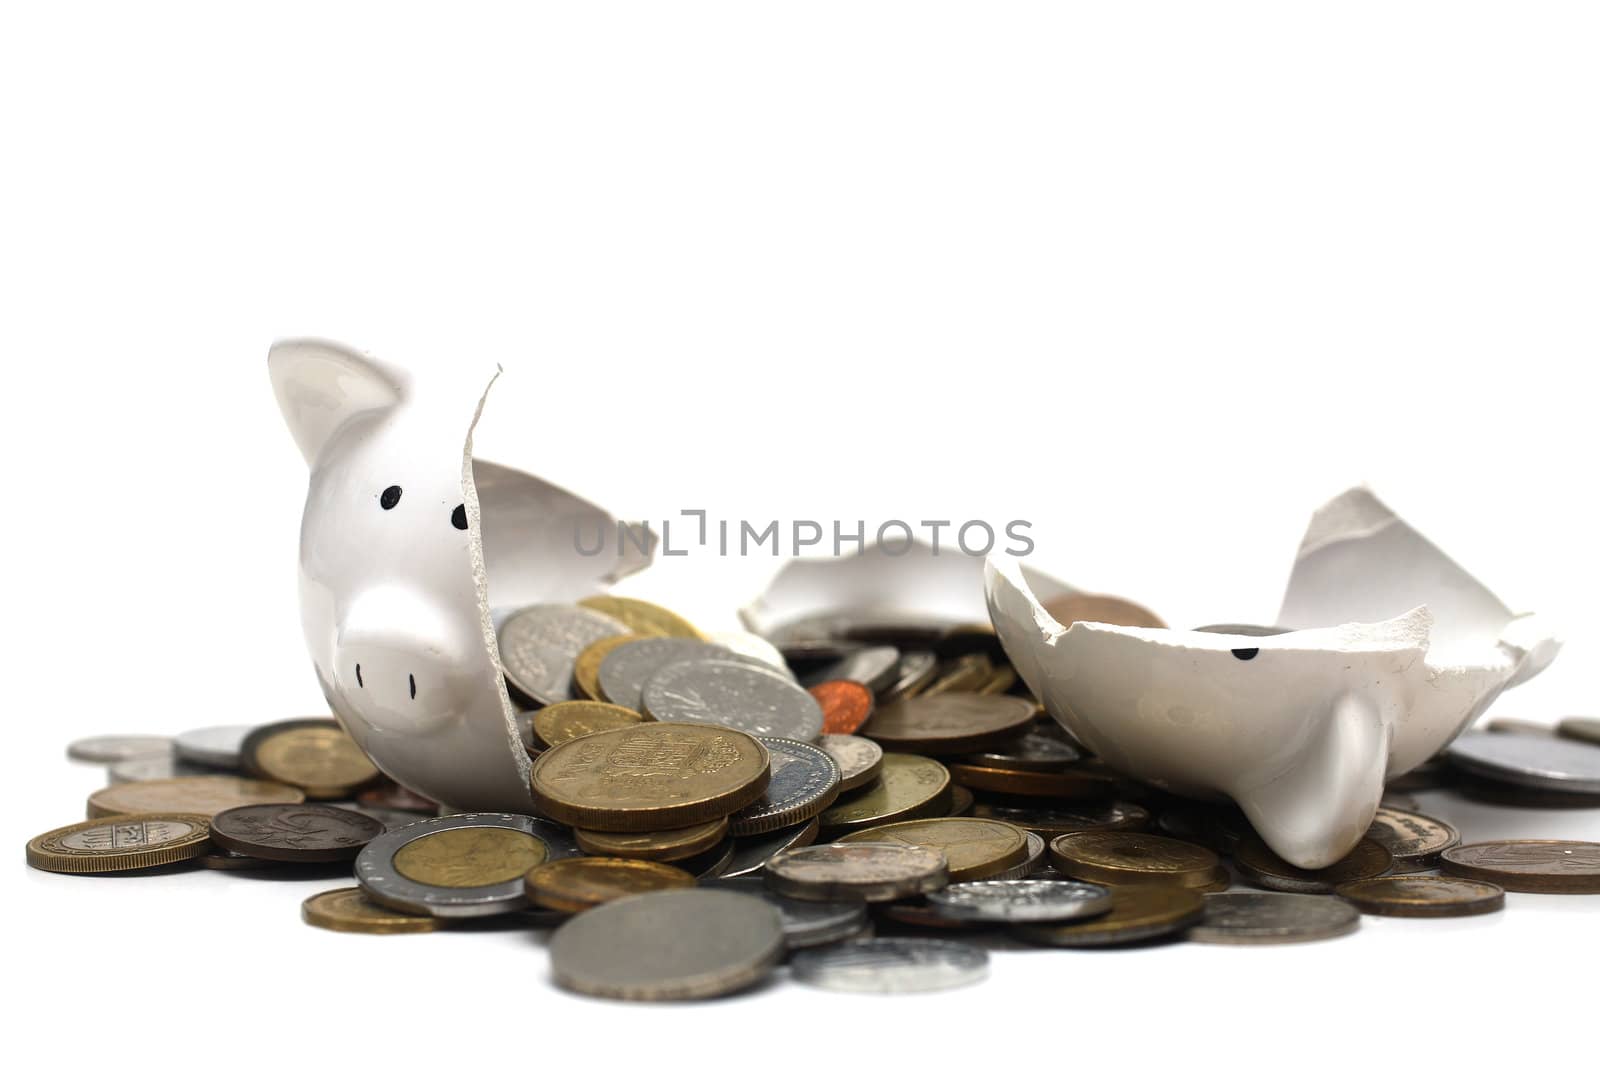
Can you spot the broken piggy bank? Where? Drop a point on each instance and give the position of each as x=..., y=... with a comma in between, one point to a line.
x=1390, y=651
x=410, y=551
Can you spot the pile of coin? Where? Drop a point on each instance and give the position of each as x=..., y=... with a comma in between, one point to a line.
x=855, y=798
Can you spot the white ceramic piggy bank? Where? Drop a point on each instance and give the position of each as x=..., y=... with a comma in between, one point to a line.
x=409, y=551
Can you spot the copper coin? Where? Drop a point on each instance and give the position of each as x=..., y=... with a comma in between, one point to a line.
x=1087, y=607
x=846, y=705
x=1260, y=864
x=973, y=848
x=1423, y=896
x=949, y=723
x=294, y=833
x=1058, y=785
x=396, y=797
x=1528, y=866
x=1412, y=838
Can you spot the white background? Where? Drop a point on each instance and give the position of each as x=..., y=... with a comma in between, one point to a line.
x=1157, y=278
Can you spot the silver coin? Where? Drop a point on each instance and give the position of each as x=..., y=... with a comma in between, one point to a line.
x=1020, y=902
x=1272, y=918
x=1030, y=863
x=1033, y=751
x=1553, y=763
x=873, y=667
x=806, y=923
x=860, y=759
x=376, y=873
x=891, y=965
x=737, y=695
x=915, y=670
x=676, y=944
x=213, y=746
x=538, y=645
x=150, y=767
x=115, y=748
x=626, y=668
x=805, y=779
x=750, y=854
x=1242, y=629
x=863, y=872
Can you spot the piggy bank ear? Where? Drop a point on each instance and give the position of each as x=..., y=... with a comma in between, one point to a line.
x=321, y=386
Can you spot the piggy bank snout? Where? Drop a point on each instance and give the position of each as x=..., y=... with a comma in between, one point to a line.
x=396, y=652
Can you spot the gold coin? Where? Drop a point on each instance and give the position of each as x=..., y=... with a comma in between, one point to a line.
x=579, y=718
x=315, y=755
x=659, y=845
x=654, y=776
x=642, y=617
x=349, y=911
x=973, y=848
x=1423, y=896
x=586, y=881
x=949, y=723
x=907, y=786
x=586, y=668
x=469, y=857
x=202, y=794
x=121, y=843
x=1070, y=784
x=1087, y=607
x=1113, y=857
x=1138, y=913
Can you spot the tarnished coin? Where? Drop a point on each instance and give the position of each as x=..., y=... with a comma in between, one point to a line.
x=961, y=801
x=1053, y=822
x=860, y=760
x=1033, y=751
x=1138, y=913
x=1021, y=902
x=393, y=795
x=1219, y=827
x=680, y=944
x=120, y=843
x=949, y=723
x=314, y=755
x=968, y=674
x=1260, y=864
x=1423, y=896
x=294, y=833
x=1528, y=866
x=586, y=667
x=857, y=872
x=115, y=748
x=539, y=645
x=145, y=768
x=459, y=866
x=804, y=780
x=750, y=854
x=915, y=671
x=642, y=617
x=1069, y=784
x=1109, y=857
x=907, y=787
x=349, y=911
x=1029, y=864
x=845, y=705
x=585, y=882
x=220, y=859
x=1578, y=728
x=739, y=695
x=626, y=668
x=1413, y=839
x=1087, y=607
x=806, y=923
x=974, y=849
x=556, y=723
x=1553, y=763
x=213, y=746
x=654, y=776
x=1273, y=919
x=891, y=965
x=660, y=845
x=390, y=818
x=202, y=794
x=872, y=668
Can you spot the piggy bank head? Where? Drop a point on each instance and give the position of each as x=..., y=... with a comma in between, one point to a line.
x=409, y=551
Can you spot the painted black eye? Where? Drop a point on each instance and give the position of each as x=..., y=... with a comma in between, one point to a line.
x=1245, y=653
x=390, y=497
x=458, y=517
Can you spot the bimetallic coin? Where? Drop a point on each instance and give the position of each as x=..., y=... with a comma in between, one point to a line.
x=949, y=723
x=586, y=668
x=642, y=617
x=1021, y=902
x=856, y=872
x=1423, y=896
x=974, y=849
x=585, y=882
x=1109, y=857
x=1033, y=751
x=203, y=794
x=915, y=671
x=1053, y=822
x=1138, y=913
x=845, y=705
x=213, y=746
x=626, y=668
x=1069, y=784
x=680, y=944
x=120, y=843
x=314, y=755
x=804, y=780
x=539, y=644
x=1553, y=763
x=1087, y=607
x=1528, y=866
x=459, y=866
x=1260, y=864
x=1273, y=919
x=349, y=911
x=750, y=854
x=738, y=695
x=1578, y=728
x=872, y=668
x=556, y=723
x=149, y=767
x=294, y=833
x=1413, y=839
x=806, y=923
x=891, y=965
x=860, y=760
x=660, y=845
x=654, y=776
x=907, y=787
x=115, y=748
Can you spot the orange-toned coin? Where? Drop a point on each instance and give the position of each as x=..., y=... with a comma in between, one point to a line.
x=846, y=705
